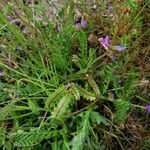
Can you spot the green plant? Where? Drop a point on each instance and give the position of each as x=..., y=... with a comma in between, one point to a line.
x=55, y=87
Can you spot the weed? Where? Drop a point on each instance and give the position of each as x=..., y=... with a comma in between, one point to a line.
x=59, y=91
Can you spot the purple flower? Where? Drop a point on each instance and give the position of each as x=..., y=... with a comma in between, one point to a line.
x=148, y=108
x=78, y=25
x=120, y=48
x=81, y=24
x=105, y=42
x=84, y=23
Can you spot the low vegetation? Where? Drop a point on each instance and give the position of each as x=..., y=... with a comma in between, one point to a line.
x=80, y=80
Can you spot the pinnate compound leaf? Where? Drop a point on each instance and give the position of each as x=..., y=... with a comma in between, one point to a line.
x=31, y=138
x=62, y=106
x=54, y=96
x=97, y=118
x=79, y=139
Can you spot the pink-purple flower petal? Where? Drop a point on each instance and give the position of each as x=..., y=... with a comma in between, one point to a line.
x=105, y=42
x=148, y=108
x=81, y=24
x=78, y=25
x=84, y=23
